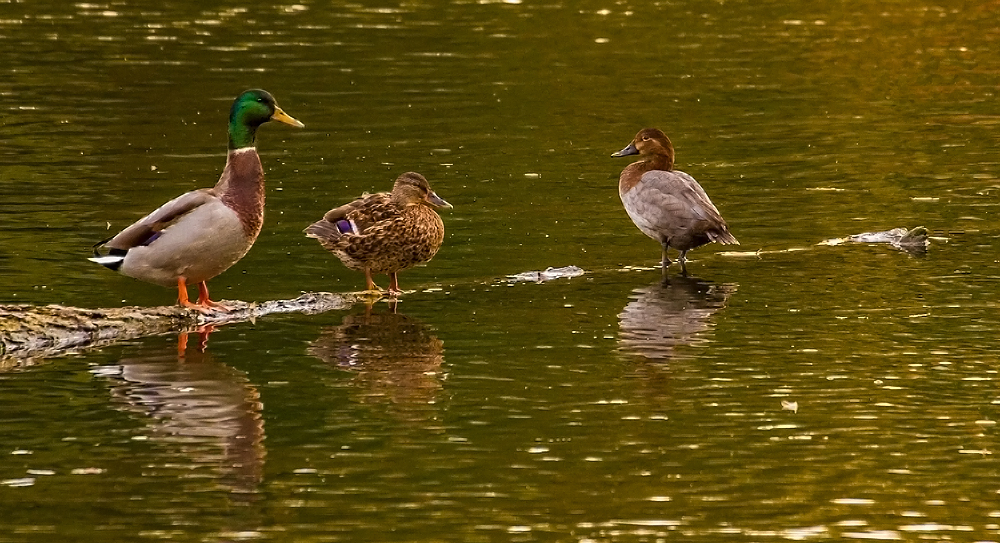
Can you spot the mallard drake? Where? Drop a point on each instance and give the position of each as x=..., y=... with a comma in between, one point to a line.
x=200, y=234
x=668, y=205
x=386, y=232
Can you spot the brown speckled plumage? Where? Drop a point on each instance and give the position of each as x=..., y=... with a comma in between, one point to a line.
x=666, y=204
x=386, y=232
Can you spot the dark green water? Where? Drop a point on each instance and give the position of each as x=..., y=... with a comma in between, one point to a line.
x=606, y=407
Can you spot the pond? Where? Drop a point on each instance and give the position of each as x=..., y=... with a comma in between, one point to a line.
x=786, y=389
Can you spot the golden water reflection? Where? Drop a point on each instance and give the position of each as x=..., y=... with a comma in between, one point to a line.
x=674, y=312
x=205, y=411
x=395, y=358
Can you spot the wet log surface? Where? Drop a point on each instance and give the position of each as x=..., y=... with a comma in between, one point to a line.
x=28, y=331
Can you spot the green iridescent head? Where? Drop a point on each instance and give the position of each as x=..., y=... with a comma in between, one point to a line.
x=250, y=110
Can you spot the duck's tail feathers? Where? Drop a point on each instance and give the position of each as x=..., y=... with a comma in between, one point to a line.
x=723, y=237
x=113, y=260
x=331, y=230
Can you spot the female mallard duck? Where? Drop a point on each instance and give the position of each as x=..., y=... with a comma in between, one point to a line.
x=666, y=204
x=200, y=234
x=386, y=232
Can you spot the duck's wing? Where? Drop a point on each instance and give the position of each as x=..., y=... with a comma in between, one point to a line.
x=339, y=213
x=352, y=218
x=678, y=194
x=146, y=230
x=673, y=203
x=380, y=240
x=365, y=212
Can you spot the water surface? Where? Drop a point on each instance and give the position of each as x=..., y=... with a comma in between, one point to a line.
x=786, y=391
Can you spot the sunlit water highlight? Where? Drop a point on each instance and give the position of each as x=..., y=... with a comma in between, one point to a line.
x=788, y=390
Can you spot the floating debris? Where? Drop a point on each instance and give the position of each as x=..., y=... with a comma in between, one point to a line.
x=913, y=241
x=547, y=275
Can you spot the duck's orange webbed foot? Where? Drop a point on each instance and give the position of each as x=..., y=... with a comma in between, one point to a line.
x=204, y=304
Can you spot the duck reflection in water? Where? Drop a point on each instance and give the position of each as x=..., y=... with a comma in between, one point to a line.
x=672, y=312
x=207, y=414
x=396, y=359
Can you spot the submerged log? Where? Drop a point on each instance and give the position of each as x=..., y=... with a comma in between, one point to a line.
x=28, y=331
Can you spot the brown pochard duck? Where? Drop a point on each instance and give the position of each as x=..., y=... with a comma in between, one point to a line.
x=200, y=234
x=668, y=205
x=386, y=232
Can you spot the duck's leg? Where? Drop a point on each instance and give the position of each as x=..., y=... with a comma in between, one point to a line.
x=204, y=301
x=394, y=284
x=683, y=260
x=665, y=262
x=370, y=285
x=184, y=301
x=182, y=296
